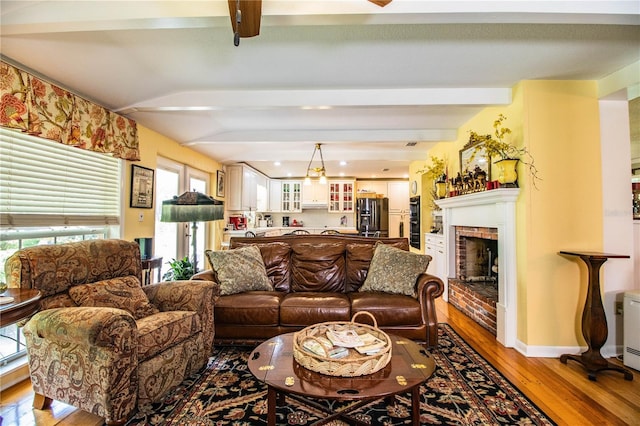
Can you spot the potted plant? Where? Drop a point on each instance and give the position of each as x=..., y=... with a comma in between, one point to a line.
x=181, y=269
x=508, y=155
x=437, y=172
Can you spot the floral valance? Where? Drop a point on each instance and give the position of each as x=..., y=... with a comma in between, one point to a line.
x=32, y=105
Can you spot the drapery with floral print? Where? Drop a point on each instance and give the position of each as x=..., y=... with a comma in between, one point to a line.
x=32, y=105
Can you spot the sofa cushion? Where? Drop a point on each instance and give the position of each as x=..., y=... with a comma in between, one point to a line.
x=164, y=330
x=318, y=267
x=277, y=258
x=239, y=270
x=307, y=308
x=389, y=309
x=394, y=270
x=250, y=308
x=358, y=259
x=122, y=293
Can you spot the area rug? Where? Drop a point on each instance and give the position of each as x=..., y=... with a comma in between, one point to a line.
x=464, y=390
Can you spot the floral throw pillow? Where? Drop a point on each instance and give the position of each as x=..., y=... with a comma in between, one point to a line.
x=239, y=270
x=394, y=270
x=122, y=293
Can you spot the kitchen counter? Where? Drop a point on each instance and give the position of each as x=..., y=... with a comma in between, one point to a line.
x=280, y=230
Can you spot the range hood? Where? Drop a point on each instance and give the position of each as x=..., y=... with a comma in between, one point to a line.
x=315, y=206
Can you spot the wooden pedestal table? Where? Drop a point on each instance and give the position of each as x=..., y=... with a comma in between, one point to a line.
x=25, y=303
x=272, y=363
x=594, y=321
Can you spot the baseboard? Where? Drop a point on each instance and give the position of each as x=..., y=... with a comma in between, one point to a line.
x=13, y=373
x=547, y=351
x=556, y=351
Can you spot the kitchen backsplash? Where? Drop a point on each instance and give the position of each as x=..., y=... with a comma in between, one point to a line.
x=312, y=218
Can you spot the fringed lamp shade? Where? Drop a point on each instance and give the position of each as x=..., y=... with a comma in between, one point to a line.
x=192, y=207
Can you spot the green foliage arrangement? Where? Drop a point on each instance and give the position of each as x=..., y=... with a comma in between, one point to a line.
x=437, y=170
x=497, y=148
x=181, y=269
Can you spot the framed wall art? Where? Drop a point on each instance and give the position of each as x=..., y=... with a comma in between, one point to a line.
x=141, y=187
x=219, y=183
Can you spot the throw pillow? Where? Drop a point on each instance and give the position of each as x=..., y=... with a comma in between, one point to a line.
x=394, y=270
x=122, y=293
x=239, y=270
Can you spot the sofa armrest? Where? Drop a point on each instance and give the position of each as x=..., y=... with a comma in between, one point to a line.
x=85, y=356
x=191, y=295
x=429, y=288
x=87, y=326
x=206, y=275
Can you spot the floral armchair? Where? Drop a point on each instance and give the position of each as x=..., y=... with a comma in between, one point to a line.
x=100, y=341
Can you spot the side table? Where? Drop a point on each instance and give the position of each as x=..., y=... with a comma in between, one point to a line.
x=147, y=266
x=25, y=302
x=594, y=321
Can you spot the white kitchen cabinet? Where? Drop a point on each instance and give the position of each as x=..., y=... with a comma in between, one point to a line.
x=399, y=225
x=262, y=192
x=341, y=196
x=315, y=194
x=398, y=194
x=275, y=195
x=434, y=247
x=242, y=188
x=291, y=196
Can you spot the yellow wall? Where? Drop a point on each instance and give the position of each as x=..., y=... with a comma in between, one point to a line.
x=558, y=123
x=153, y=145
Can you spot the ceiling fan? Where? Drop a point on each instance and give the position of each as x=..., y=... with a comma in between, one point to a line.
x=246, y=14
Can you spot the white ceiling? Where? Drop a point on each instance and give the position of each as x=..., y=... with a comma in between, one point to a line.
x=360, y=79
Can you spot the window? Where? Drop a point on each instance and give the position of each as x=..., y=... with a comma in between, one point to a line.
x=51, y=193
x=173, y=240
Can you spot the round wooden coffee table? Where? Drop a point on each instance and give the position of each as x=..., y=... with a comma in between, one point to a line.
x=272, y=363
x=25, y=302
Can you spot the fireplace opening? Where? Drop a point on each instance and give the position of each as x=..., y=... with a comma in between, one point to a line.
x=474, y=290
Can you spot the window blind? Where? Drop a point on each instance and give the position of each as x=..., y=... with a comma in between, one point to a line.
x=44, y=183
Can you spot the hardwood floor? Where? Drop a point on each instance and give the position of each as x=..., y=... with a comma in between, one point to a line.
x=561, y=391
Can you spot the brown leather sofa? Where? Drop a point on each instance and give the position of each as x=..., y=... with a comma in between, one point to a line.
x=316, y=279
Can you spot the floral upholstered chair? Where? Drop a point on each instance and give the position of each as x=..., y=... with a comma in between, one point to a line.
x=100, y=341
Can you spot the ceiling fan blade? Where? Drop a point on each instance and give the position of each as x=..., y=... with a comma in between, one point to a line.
x=251, y=12
x=381, y=3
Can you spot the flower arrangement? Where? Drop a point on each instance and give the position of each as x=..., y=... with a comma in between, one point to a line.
x=437, y=171
x=495, y=146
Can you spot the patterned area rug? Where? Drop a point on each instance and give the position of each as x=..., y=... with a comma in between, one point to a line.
x=464, y=390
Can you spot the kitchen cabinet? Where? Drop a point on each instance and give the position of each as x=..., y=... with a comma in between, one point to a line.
x=275, y=195
x=242, y=188
x=398, y=194
x=315, y=194
x=434, y=247
x=399, y=225
x=291, y=196
x=262, y=192
x=341, y=197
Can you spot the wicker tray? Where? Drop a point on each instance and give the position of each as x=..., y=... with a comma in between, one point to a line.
x=355, y=363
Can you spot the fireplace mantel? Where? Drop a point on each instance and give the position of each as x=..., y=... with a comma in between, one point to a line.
x=504, y=195
x=493, y=209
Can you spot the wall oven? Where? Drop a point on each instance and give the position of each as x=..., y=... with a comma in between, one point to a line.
x=414, y=222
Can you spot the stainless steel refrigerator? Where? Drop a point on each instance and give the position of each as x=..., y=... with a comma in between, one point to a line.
x=372, y=216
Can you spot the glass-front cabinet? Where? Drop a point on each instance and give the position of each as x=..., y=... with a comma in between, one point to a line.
x=341, y=196
x=291, y=196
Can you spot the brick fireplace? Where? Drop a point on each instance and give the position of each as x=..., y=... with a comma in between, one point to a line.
x=492, y=213
x=474, y=288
